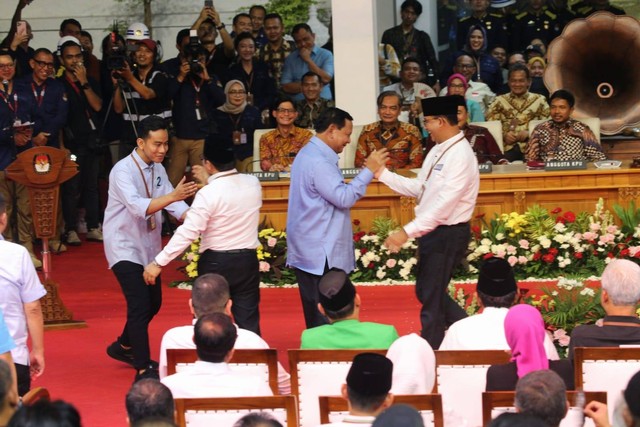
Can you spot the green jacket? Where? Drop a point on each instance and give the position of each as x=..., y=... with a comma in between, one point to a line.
x=349, y=334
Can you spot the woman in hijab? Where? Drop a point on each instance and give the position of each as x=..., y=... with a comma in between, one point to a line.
x=536, y=66
x=487, y=67
x=457, y=85
x=525, y=333
x=237, y=120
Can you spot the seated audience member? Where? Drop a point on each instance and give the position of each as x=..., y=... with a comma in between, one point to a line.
x=484, y=145
x=261, y=88
x=279, y=147
x=586, y=8
x=515, y=110
x=476, y=91
x=307, y=57
x=534, y=21
x=563, y=138
x=9, y=399
x=258, y=419
x=149, y=398
x=210, y=294
x=516, y=419
x=310, y=108
x=399, y=416
x=401, y=139
x=410, y=87
x=237, y=120
x=627, y=410
x=367, y=389
x=341, y=304
x=497, y=290
x=414, y=365
x=389, y=65
x=619, y=298
x=537, y=66
x=258, y=13
x=513, y=58
x=154, y=422
x=214, y=335
x=46, y=413
x=457, y=85
x=488, y=15
x=500, y=53
x=276, y=50
x=542, y=394
x=525, y=333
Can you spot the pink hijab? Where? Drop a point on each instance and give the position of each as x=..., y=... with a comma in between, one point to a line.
x=525, y=333
x=457, y=76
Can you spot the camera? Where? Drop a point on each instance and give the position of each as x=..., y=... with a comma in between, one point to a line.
x=193, y=51
x=118, y=58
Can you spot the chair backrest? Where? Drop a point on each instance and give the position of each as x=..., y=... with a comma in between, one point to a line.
x=592, y=122
x=348, y=156
x=225, y=411
x=332, y=408
x=495, y=128
x=462, y=377
x=262, y=362
x=496, y=402
x=34, y=395
x=318, y=373
x=605, y=368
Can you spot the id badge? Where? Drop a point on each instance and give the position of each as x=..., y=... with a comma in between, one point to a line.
x=243, y=138
x=237, y=137
x=250, y=98
x=151, y=223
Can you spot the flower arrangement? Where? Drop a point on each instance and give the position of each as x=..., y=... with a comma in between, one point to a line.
x=272, y=257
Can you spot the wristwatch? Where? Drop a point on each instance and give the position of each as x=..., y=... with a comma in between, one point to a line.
x=85, y=86
x=221, y=26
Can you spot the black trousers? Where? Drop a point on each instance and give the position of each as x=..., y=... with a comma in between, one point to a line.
x=439, y=252
x=240, y=268
x=24, y=378
x=143, y=302
x=309, y=296
x=83, y=187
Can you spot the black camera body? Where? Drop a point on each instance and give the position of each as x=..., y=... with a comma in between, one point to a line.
x=193, y=51
x=118, y=59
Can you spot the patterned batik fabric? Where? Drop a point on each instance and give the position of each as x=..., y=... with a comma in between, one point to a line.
x=571, y=140
x=402, y=141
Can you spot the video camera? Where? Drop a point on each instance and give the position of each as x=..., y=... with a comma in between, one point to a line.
x=193, y=51
x=119, y=56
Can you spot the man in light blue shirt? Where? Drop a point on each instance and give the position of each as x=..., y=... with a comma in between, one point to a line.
x=319, y=234
x=307, y=57
x=138, y=191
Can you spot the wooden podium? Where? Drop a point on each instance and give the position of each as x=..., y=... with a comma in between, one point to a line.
x=42, y=170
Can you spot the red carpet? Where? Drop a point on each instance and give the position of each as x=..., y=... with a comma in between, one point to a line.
x=79, y=371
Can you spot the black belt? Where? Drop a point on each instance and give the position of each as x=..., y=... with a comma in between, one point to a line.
x=460, y=224
x=232, y=251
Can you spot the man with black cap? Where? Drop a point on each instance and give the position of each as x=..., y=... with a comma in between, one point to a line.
x=446, y=189
x=367, y=389
x=497, y=291
x=341, y=304
x=138, y=191
x=226, y=213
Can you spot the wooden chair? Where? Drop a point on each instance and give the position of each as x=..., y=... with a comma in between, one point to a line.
x=225, y=411
x=429, y=406
x=605, y=368
x=317, y=373
x=34, y=395
x=495, y=129
x=254, y=360
x=492, y=400
x=461, y=376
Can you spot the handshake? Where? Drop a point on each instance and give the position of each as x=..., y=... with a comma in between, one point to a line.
x=376, y=161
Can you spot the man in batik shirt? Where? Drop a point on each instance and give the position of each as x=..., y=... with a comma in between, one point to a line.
x=402, y=140
x=563, y=138
x=277, y=48
x=279, y=147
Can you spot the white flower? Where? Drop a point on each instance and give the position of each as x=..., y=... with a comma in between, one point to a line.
x=500, y=236
x=485, y=242
x=381, y=273
x=560, y=227
x=587, y=291
x=545, y=242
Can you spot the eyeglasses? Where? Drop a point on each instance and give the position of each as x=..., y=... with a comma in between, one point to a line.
x=7, y=66
x=43, y=64
x=286, y=110
x=463, y=66
x=459, y=86
x=237, y=92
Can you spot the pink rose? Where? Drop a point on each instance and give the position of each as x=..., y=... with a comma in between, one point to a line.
x=391, y=262
x=524, y=244
x=594, y=226
x=264, y=266
x=522, y=259
x=272, y=242
x=512, y=260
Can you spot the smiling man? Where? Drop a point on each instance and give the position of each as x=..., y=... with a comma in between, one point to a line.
x=563, y=138
x=307, y=57
x=319, y=235
x=402, y=140
x=139, y=189
x=312, y=105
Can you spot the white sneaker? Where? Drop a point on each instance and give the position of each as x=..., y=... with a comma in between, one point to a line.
x=73, y=239
x=95, y=235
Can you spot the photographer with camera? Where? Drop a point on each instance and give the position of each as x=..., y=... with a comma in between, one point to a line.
x=221, y=55
x=113, y=50
x=82, y=139
x=195, y=95
x=140, y=91
x=171, y=67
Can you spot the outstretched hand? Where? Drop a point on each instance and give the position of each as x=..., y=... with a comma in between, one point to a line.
x=377, y=160
x=184, y=189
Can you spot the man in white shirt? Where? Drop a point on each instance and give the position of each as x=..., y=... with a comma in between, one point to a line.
x=367, y=389
x=210, y=294
x=211, y=376
x=225, y=213
x=446, y=189
x=497, y=291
